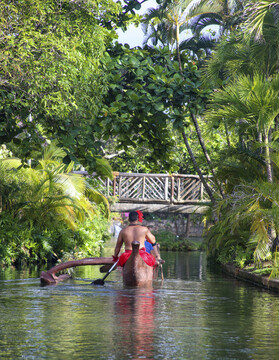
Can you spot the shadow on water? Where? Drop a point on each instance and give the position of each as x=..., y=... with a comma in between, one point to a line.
x=195, y=313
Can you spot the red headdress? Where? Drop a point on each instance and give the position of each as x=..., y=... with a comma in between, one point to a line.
x=140, y=214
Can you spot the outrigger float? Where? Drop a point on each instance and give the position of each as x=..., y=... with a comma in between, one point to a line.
x=135, y=272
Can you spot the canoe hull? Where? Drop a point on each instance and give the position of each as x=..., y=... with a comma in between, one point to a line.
x=136, y=272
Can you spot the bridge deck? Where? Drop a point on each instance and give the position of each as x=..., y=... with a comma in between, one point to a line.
x=150, y=208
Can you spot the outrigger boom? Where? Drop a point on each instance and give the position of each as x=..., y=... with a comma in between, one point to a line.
x=49, y=277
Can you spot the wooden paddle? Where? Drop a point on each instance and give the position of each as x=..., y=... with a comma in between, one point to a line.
x=161, y=266
x=102, y=281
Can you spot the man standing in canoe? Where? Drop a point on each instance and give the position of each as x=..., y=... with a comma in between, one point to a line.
x=134, y=231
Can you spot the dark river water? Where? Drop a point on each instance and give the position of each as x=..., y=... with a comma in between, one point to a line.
x=197, y=312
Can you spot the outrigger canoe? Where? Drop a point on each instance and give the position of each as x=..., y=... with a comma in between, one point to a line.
x=135, y=271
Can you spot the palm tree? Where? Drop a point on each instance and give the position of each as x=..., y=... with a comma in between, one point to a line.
x=247, y=66
x=224, y=14
x=250, y=210
x=255, y=47
x=262, y=15
x=252, y=50
x=252, y=103
x=165, y=23
x=262, y=26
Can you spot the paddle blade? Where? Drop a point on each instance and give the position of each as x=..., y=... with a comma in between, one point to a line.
x=105, y=268
x=98, y=282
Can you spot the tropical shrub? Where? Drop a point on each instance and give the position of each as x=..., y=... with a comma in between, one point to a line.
x=26, y=242
x=48, y=211
x=171, y=242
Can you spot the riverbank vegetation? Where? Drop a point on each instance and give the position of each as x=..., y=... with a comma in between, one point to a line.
x=171, y=242
x=48, y=212
x=202, y=103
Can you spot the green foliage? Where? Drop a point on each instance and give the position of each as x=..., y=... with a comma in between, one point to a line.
x=62, y=78
x=262, y=26
x=91, y=235
x=145, y=107
x=238, y=255
x=103, y=168
x=245, y=69
x=250, y=107
x=45, y=211
x=23, y=241
x=140, y=158
x=169, y=241
x=263, y=272
x=246, y=218
x=274, y=273
x=51, y=83
x=251, y=99
x=4, y=152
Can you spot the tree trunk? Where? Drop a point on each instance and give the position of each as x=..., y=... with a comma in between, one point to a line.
x=196, y=166
x=268, y=160
x=198, y=131
x=260, y=137
x=227, y=135
x=177, y=48
x=208, y=190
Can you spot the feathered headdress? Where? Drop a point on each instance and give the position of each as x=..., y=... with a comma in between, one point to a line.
x=140, y=214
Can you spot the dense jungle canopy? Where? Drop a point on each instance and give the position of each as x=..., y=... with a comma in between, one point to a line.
x=199, y=96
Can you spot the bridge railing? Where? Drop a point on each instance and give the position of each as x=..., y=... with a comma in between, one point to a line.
x=155, y=188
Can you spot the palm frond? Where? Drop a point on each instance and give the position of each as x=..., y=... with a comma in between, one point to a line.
x=200, y=22
x=103, y=168
x=257, y=14
x=194, y=44
x=72, y=184
x=11, y=163
x=53, y=152
x=96, y=197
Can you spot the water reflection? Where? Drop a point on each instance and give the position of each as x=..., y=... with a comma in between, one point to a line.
x=185, y=265
x=134, y=323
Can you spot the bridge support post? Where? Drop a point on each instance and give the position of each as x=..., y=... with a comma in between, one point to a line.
x=143, y=188
x=172, y=189
x=166, y=188
x=201, y=191
x=114, y=186
x=178, y=189
x=107, y=186
x=119, y=186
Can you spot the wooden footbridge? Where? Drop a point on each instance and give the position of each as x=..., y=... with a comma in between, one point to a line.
x=174, y=193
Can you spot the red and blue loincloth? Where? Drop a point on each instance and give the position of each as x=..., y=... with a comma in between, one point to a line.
x=147, y=258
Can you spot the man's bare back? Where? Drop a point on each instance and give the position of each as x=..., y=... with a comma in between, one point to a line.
x=133, y=232
x=136, y=232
